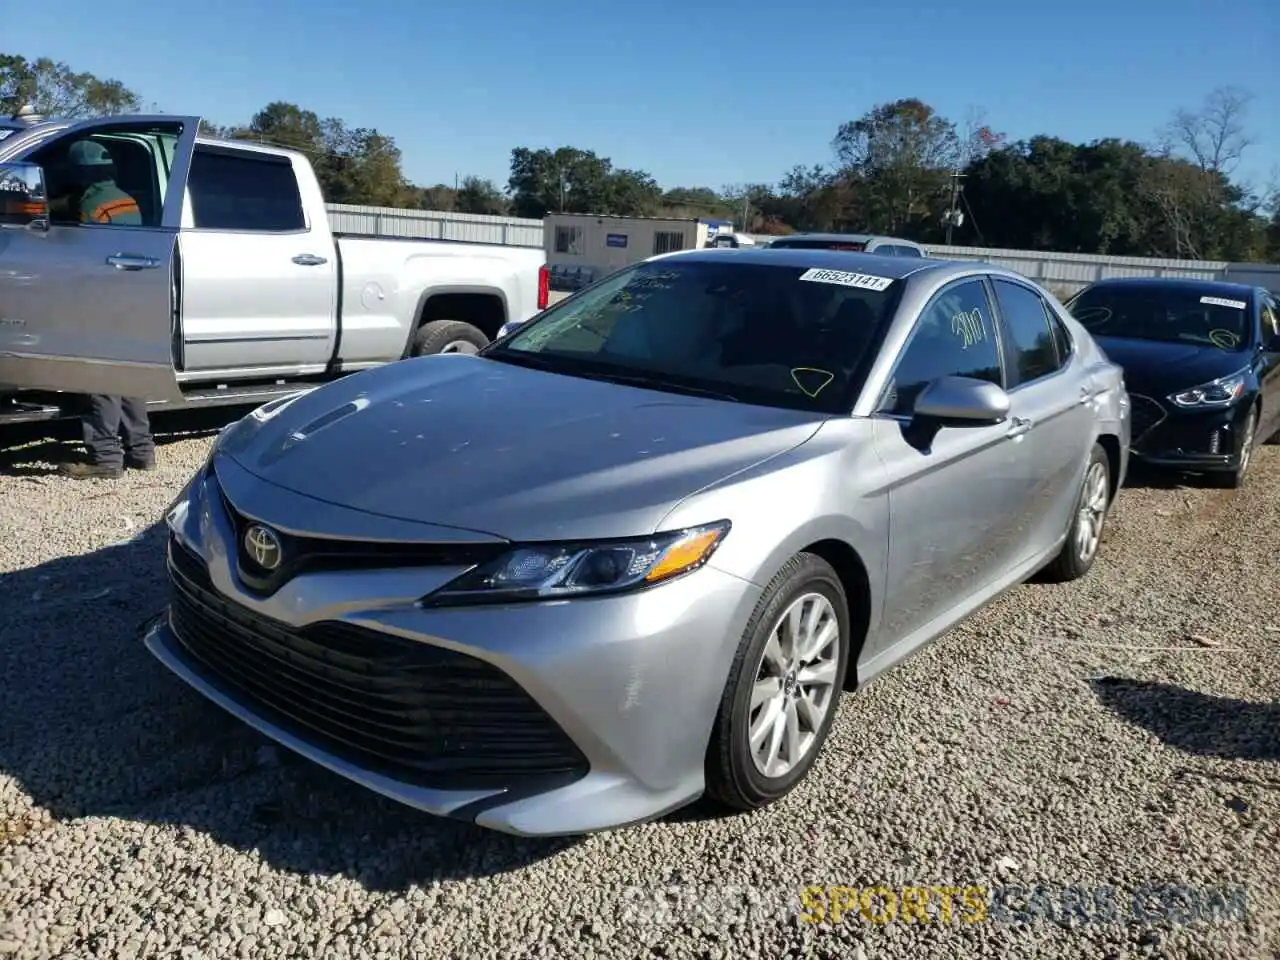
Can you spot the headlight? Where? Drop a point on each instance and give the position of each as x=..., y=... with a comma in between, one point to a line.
x=564, y=570
x=1216, y=393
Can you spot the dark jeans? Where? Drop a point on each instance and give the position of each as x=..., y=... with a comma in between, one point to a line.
x=106, y=419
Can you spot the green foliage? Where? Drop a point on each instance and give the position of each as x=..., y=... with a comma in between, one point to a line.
x=480, y=196
x=55, y=90
x=570, y=180
x=894, y=170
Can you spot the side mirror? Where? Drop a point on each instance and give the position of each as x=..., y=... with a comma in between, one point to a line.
x=962, y=401
x=23, y=201
x=511, y=326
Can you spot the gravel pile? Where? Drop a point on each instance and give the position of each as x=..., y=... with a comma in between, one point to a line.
x=1113, y=740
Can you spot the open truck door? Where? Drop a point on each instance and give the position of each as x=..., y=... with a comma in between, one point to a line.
x=87, y=289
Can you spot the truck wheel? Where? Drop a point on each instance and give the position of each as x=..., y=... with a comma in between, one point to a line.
x=447, y=336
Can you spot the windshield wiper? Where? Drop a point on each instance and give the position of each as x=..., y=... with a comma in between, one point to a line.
x=649, y=380
x=526, y=359
x=523, y=358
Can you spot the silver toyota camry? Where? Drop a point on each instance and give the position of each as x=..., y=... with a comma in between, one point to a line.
x=636, y=550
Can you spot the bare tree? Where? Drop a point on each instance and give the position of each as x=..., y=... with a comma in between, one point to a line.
x=1215, y=136
x=977, y=137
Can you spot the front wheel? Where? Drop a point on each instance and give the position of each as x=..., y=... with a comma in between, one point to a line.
x=780, y=699
x=1249, y=436
x=1084, y=535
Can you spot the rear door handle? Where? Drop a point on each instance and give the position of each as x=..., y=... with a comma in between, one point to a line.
x=1018, y=427
x=132, y=261
x=309, y=260
x=1087, y=395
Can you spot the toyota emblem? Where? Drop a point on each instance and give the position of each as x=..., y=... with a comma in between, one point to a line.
x=263, y=547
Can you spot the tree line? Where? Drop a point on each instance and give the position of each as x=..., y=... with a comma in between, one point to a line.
x=901, y=168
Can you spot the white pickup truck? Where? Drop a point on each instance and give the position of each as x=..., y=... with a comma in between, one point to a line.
x=232, y=288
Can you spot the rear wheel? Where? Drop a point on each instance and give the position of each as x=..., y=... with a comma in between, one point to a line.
x=1085, y=533
x=447, y=336
x=780, y=699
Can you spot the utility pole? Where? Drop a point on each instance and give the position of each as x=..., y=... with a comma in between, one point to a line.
x=953, y=216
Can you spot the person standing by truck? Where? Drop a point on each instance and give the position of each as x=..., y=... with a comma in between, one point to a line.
x=91, y=174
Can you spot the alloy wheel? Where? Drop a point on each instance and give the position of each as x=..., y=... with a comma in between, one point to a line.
x=1092, y=512
x=795, y=685
x=460, y=346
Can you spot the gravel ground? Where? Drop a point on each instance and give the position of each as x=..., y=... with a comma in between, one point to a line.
x=1102, y=739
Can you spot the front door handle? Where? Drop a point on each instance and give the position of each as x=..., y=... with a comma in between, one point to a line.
x=132, y=261
x=1018, y=426
x=309, y=260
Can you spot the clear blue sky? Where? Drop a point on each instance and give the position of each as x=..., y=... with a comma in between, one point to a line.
x=695, y=93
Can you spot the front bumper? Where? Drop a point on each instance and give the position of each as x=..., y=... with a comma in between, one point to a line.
x=1196, y=440
x=583, y=715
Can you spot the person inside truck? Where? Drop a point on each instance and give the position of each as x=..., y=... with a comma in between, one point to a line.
x=82, y=187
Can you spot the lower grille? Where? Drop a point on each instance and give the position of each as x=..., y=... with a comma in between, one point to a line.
x=411, y=711
x=1145, y=415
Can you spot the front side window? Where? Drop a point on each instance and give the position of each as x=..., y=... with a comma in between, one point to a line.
x=244, y=192
x=774, y=335
x=1270, y=321
x=1172, y=314
x=112, y=175
x=954, y=337
x=1031, y=349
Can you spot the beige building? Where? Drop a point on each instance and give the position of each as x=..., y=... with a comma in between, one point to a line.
x=582, y=247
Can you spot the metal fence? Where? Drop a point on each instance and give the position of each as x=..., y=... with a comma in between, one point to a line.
x=434, y=225
x=1064, y=273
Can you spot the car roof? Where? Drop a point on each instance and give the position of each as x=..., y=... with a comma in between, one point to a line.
x=895, y=268
x=1186, y=284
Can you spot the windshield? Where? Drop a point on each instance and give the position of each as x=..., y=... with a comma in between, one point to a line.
x=1165, y=315
x=774, y=335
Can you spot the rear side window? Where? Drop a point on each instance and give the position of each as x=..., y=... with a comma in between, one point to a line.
x=1031, y=348
x=955, y=337
x=236, y=191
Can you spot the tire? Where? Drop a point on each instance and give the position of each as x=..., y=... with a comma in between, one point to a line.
x=732, y=775
x=1234, y=479
x=447, y=336
x=1080, y=550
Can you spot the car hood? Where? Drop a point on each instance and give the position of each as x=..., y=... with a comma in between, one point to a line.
x=467, y=442
x=1151, y=367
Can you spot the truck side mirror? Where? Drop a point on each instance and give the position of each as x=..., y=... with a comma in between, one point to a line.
x=23, y=200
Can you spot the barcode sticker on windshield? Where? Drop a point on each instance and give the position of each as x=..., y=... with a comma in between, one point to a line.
x=5, y=133
x=1220, y=302
x=861, y=280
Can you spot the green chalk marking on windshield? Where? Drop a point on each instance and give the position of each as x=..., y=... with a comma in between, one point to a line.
x=811, y=391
